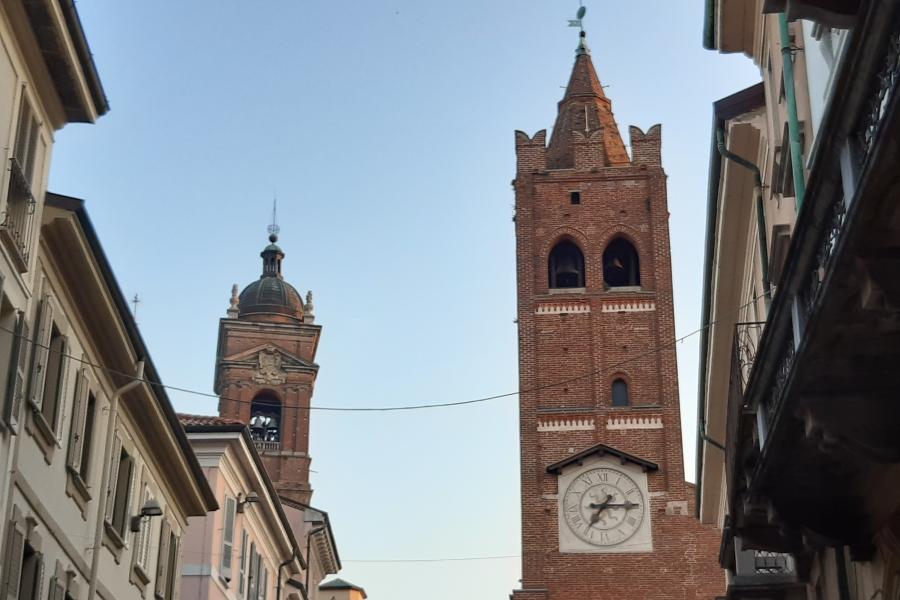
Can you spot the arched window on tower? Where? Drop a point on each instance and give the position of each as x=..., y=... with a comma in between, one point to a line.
x=566, y=266
x=621, y=267
x=620, y=393
x=265, y=418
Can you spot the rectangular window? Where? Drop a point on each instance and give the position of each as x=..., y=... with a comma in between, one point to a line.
x=26, y=583
x=88, y=437
x=53, y=382
x=81, y=431
x=121, y=497
x=575, y=197
x=228, y=538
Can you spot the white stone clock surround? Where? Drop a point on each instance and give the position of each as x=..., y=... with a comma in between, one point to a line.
x=641, y=541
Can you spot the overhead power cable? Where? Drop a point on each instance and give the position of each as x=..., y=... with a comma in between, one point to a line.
x=611, y=368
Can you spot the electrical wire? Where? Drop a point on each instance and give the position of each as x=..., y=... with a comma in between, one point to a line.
x=480, y=400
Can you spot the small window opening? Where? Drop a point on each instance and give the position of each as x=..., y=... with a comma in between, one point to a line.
x=575, y=197
x=265, y=418
x=621, y=267
x=620, y=393
x=566, y=266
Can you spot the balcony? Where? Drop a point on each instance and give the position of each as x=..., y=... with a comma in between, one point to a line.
x=263, y=446
x=759, y=573
x=17, y=223
x=812, y=411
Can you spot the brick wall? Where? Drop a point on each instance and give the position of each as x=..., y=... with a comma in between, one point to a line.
x=564, y=335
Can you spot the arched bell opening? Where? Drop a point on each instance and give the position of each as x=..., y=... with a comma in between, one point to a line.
x=566, y=266
x=621, y=265
x=265, y=418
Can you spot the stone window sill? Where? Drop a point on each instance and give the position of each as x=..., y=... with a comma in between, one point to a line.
x=578, y=290
x=77, y=489
x=42, y=432
x=139, y=577
x=112, y=539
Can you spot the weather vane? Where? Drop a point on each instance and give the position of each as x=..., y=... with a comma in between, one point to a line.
x=578, y=22
x=274, y=229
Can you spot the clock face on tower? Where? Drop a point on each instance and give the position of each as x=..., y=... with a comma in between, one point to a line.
x=603, y=506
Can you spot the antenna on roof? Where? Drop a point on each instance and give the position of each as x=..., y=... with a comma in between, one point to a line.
x=135, y=301
x=578, y=22
x=274, y=229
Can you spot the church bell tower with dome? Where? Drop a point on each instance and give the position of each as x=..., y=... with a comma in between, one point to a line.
x=266, y=370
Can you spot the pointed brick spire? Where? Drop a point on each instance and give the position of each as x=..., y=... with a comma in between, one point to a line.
x=585, y=99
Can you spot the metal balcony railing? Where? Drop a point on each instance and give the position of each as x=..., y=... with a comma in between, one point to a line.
x=753, y=568
x=821, y=226
x=18, y=218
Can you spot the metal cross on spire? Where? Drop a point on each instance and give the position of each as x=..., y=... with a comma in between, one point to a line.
x=578, y=22
x=274, y=229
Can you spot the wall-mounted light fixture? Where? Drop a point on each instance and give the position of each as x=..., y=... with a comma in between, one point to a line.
x=251, y=498
x=150, y=509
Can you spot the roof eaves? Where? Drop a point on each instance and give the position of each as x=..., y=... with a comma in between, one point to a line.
x=151, y=376
x=727, y=108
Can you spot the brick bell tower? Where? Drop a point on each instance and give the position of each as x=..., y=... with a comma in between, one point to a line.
x=265, y=371
x=606, y=512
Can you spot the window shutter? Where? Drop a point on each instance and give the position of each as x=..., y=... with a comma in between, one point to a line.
x=175, y=567
x=57, y=591
x=79, y=413
x=162, y=561
x=61, y=387
x=251, y=576
x=15, y=379
x=113, y=477
x=15, y=548
x=142, y=541
x=38, y=575
x=41, y=351
x=132, y=478
x=243, y=563
x=228, y=538
x=263, y=583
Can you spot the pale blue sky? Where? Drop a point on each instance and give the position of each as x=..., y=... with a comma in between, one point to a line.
x=386, y=129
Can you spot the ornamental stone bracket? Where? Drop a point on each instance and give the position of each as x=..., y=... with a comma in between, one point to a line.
x=623, y=423
x=629, y=306
x=562, y=307
x=566, y=425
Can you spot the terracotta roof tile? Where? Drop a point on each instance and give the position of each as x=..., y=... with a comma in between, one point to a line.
x=206, y=420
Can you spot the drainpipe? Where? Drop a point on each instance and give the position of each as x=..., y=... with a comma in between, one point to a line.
x=104, y=480
x=790, y=95
x=760, y=214
x=287, y=561
x=308, y=544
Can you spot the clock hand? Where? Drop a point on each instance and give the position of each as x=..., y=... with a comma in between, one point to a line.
x=627, y=505
x=603, y=504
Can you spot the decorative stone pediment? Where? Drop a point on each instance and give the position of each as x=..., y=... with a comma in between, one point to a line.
x=270, y=363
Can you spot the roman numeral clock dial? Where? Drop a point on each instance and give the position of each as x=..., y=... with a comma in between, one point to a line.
x=603, y=507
